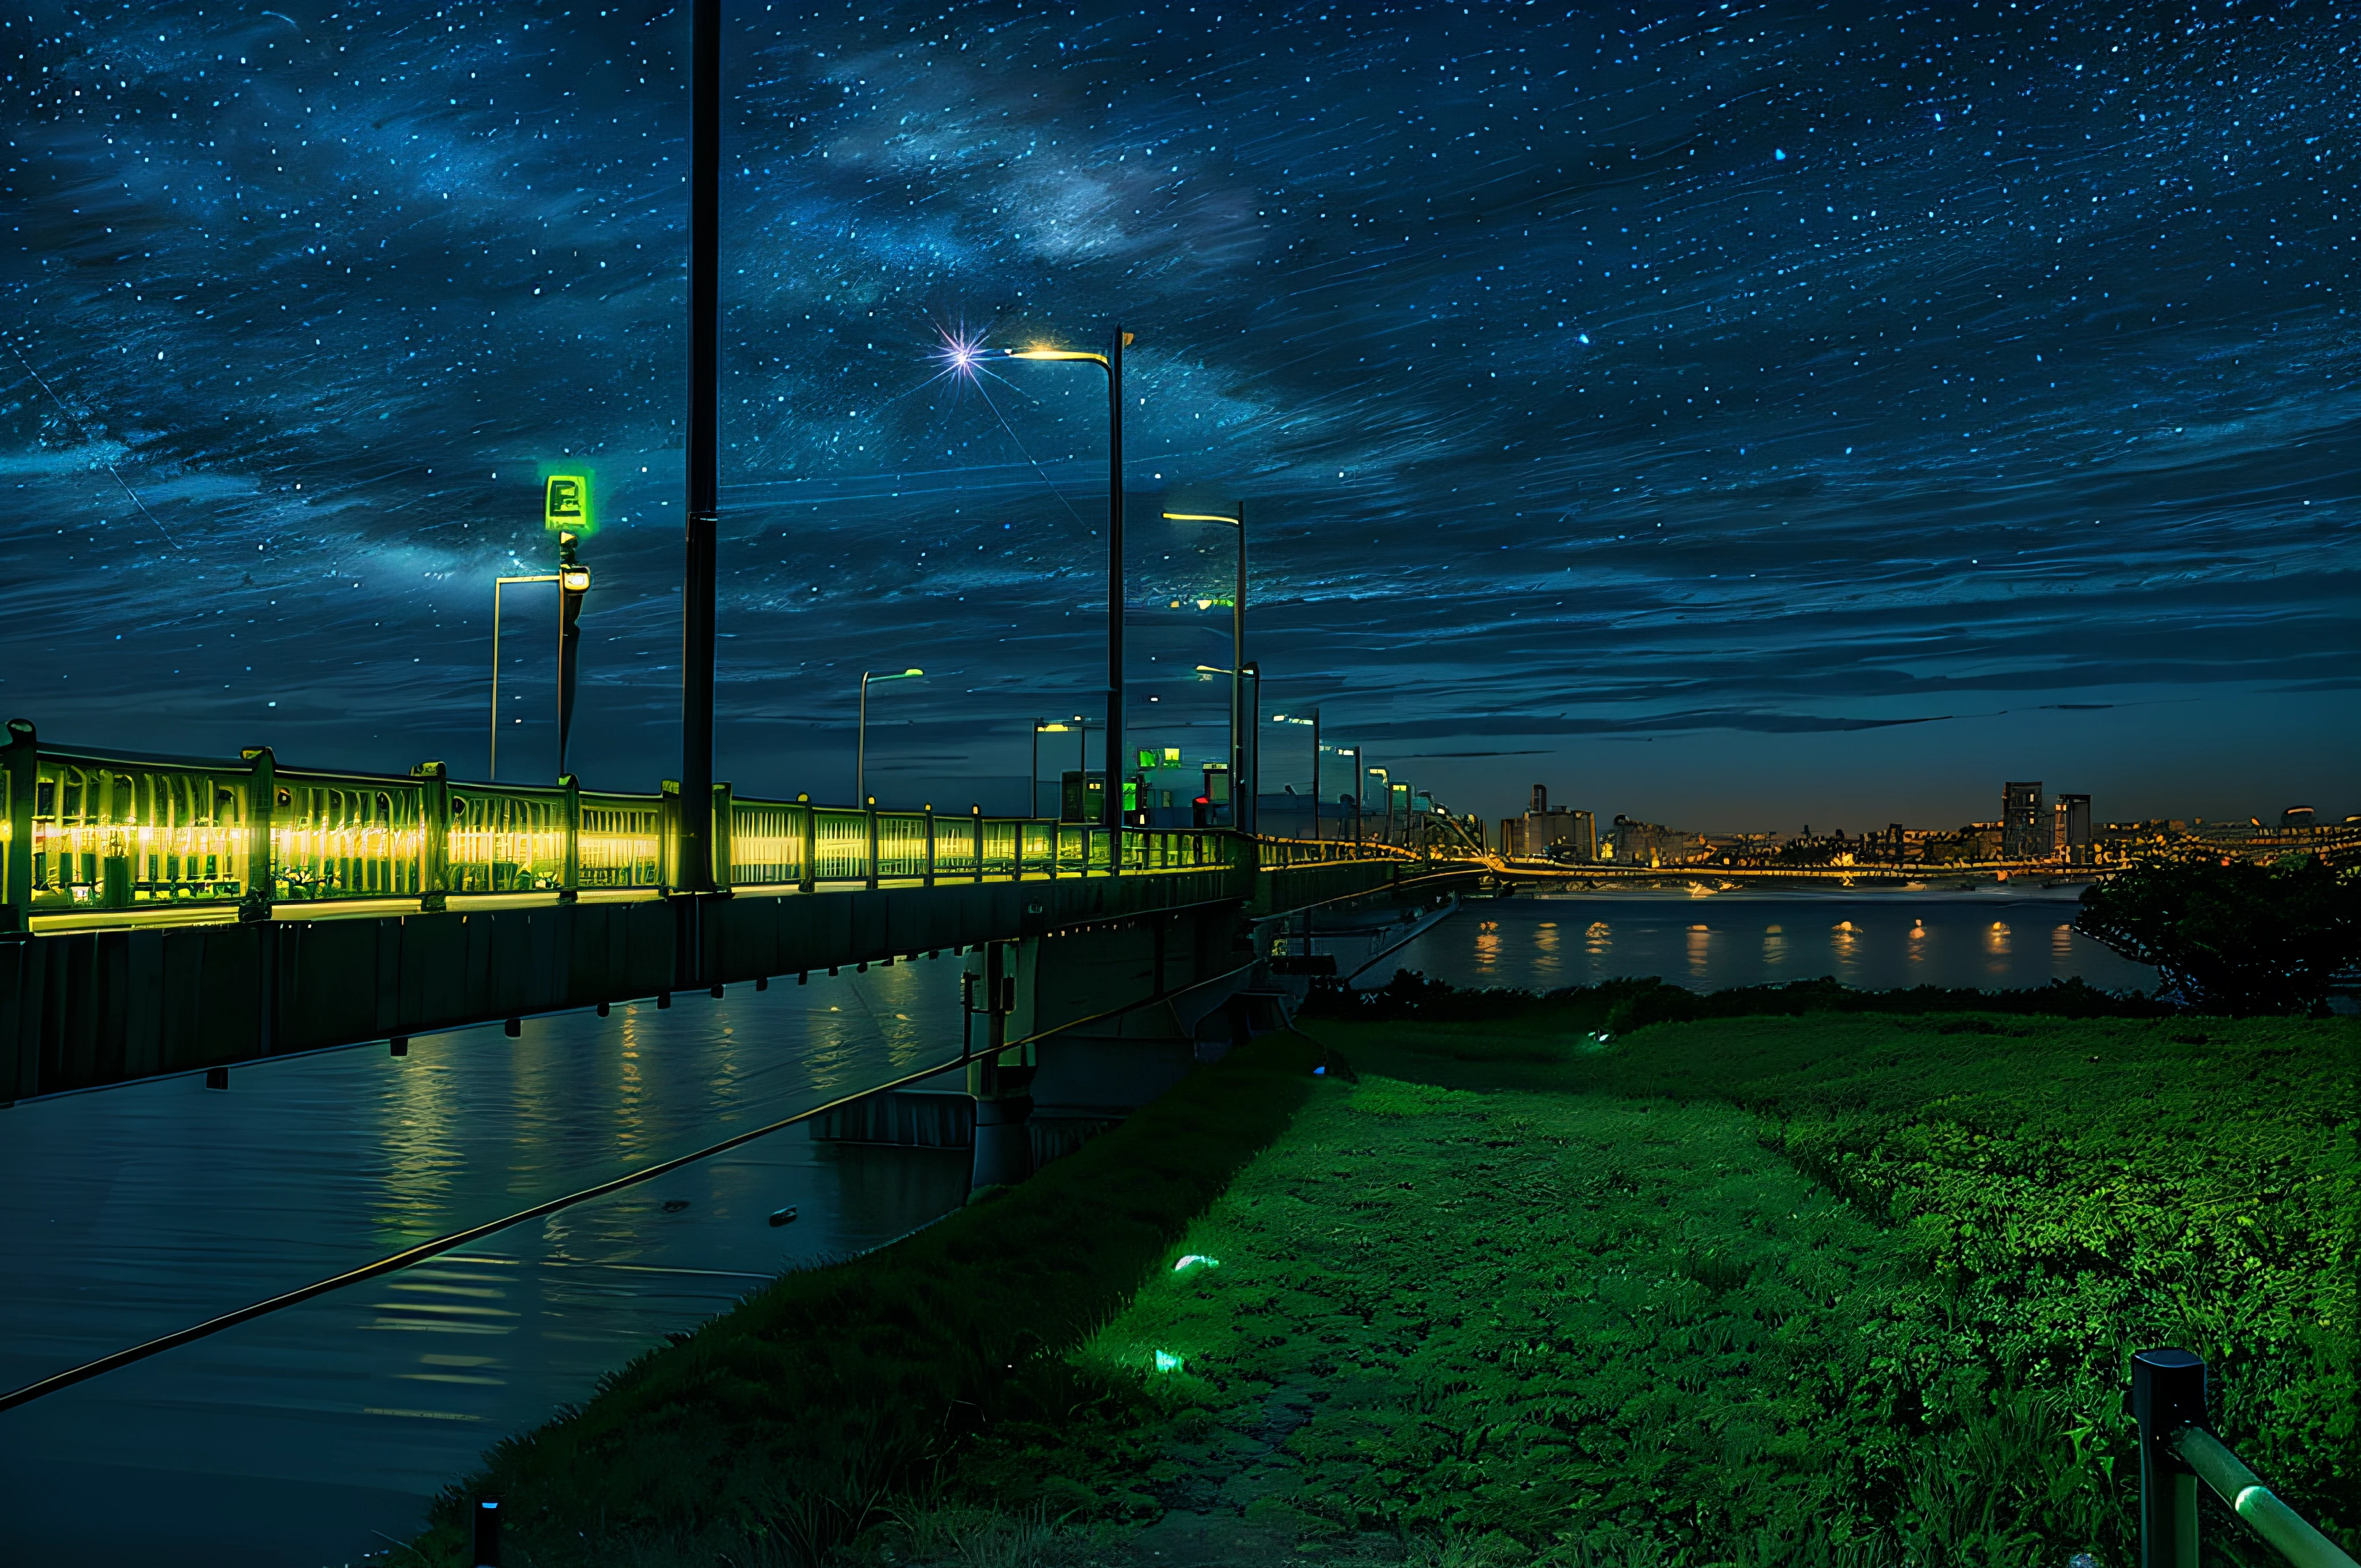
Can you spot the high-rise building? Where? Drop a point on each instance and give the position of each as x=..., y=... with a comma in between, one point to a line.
x=2073, y=837
x=2025, y=832
x=1549, y=833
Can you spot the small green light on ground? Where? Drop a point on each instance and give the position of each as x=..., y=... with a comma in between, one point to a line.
x=1167, y=1362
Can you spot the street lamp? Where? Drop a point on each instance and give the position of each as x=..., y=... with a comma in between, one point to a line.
x=1358, y=762
x=1237, y=640
x=573, y=580
x=1033, y=784
x=1314, y=722
x=860, y=737
x=1246, y=776
x=965, y=357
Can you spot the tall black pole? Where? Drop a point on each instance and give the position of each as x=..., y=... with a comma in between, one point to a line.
x=697, y=596
x=1240, y=820
x=569, y=639
x=1315, y=774
x=1111, y=810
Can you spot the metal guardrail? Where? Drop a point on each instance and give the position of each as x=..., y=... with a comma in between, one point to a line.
x=87, y=833
x=1276, y=854
x=2176, y=1452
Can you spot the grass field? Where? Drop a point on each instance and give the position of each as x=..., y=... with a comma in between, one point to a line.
x=1846, y=1289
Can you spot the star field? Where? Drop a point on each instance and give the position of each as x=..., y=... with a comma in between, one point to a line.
x=1722, y=411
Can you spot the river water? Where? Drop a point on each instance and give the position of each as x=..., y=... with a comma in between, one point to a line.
x=1706, y=937
x=314, y=1434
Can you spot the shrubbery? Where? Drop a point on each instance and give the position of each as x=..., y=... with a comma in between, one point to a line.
x=2231, y=936
x=1760, y=1291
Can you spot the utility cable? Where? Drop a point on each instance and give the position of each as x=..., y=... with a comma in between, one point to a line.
x=425, y=1250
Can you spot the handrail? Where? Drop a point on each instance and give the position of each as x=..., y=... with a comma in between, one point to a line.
x=2257, y=1503
x=2177, y=1451
x=87, y=832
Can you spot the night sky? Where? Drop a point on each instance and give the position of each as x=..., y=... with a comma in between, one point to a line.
x=1737, y=416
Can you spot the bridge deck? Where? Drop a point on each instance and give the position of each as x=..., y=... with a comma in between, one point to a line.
x=166, y=914
x=127, y=1001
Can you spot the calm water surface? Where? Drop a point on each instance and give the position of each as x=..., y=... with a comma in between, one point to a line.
x=314, y=1435
x=1706, y=939
x=310, y=1436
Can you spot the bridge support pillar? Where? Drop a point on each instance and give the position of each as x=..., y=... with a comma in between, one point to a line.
x=998, y=1076
x=1098, y=1021
x=1004, y=1140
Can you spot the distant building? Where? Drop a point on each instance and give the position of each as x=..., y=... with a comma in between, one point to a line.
x=1572, y=835
x=2025, y=833
x=1649, y=844
x=2297, y=816
x=2073, y=830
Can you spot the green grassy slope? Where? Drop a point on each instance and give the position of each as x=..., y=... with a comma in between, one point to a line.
x=1746, y=1290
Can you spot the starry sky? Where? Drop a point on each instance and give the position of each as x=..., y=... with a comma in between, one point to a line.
x=1732, y=415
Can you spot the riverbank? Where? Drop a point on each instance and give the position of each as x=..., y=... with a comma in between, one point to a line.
x=1844, y=1289
x=1818, y=1289
x=787, y=1425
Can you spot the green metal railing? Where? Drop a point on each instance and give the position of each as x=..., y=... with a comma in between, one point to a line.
x=2177, y=1451
x=91, y=833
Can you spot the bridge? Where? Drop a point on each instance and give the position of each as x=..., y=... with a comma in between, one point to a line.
x=172, y=914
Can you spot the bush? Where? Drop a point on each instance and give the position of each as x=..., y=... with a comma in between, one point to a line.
x=2232, y=938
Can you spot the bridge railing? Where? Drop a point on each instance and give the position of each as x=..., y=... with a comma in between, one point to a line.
x=85, y=833
x=1276, y=854
x=118, y=833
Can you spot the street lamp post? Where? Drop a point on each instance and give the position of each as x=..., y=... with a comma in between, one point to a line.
x=1033, y=784
x=1358, y=761
x=1111, y=810
x=1238, y=648
x=1253, y=749
x=1314, y=722
x=573, y=580
x=861, y=734
x=1246, y=780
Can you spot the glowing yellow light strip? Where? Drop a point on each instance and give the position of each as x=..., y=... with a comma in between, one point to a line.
x=1055, y=354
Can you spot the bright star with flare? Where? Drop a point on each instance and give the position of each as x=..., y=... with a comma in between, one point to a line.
x=961, y=353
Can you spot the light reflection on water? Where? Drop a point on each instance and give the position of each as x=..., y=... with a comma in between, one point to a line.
x=131, y=1212
x=1708, y=940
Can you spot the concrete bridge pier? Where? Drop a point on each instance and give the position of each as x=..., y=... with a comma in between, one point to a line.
x=1002, y=1153
x=1095, y=1023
